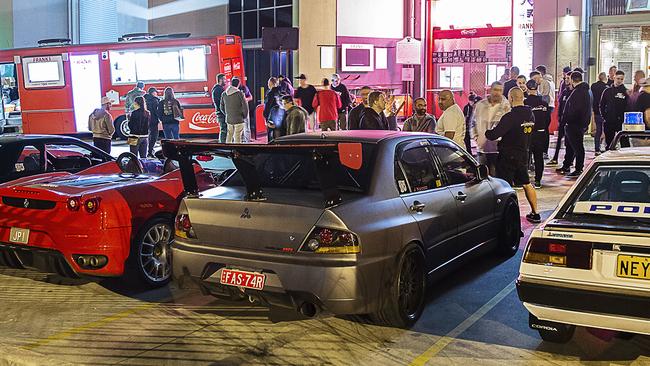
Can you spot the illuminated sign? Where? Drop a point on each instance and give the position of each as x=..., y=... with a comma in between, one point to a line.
x=522, y=36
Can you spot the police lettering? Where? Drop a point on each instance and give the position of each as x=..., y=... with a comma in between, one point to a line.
x=595, y=208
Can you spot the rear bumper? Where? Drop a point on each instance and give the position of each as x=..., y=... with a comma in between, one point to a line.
x=44, y=260
x=628, y=312
x=336, y=287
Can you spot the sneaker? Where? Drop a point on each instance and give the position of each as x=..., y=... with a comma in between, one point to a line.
x=534, y=218
x=575, y=174
x=552, y=162
x=537, y=184
x=563, y=171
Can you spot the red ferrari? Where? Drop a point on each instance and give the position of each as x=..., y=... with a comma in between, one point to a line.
x=110, y=220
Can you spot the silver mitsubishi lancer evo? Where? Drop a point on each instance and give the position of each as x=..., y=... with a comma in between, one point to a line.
x=353, y=222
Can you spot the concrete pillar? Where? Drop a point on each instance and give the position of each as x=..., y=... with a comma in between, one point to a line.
x=559, y=35
x=6, y=24
x=317, y=22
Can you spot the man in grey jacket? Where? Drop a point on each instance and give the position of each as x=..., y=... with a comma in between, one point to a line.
x=295, y=116
x=487, y=114
x=233, y=104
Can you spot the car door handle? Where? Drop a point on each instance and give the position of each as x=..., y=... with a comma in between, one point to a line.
x=460, y=196
x=418, y=206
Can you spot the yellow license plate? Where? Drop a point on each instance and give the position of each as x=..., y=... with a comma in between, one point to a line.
x=18, y=235
x=630, y=266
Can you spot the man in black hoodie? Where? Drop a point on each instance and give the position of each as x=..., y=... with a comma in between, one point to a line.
x=515, y=129
x=597, y=90
x=217, y=90
x=539, y=138
x=577, y=116
x=152, y=100
x=613, y=105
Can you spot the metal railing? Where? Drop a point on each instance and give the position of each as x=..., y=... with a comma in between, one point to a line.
x=608, y=7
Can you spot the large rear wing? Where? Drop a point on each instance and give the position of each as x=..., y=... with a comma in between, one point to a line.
x=326, y=157
x=625, y=139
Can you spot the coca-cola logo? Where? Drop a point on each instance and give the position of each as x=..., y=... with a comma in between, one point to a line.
x=468, y=32
x=203, y=121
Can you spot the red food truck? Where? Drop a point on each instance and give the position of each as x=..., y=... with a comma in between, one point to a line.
x=52, y=89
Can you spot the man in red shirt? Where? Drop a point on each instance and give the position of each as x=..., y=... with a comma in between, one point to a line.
x=329, y=102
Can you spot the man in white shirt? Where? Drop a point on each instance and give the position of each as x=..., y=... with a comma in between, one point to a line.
x=487, y=114
x=452, y=121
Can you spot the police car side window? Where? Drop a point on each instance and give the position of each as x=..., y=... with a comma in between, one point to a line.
x=415, y=170
x=458, y=168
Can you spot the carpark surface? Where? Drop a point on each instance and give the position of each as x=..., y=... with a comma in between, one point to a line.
x=473, y=316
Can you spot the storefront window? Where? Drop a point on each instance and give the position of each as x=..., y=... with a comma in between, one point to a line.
x=187, y=64
x=493, y=73
x=450, y=77
x=623, y=48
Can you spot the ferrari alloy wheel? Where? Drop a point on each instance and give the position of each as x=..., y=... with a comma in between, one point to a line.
x=404, y=302
x=151, y=256
x=510, y=230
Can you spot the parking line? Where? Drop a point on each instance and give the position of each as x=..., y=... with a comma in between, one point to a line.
x=462, y=327
x=82, y=328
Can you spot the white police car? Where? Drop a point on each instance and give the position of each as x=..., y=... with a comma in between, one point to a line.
x=589, y=263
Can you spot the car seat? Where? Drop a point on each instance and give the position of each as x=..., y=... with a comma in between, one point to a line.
x=630, y=186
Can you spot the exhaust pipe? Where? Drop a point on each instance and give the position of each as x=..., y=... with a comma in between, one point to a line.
x=308, y=309
x=81, y=261
x=94, y=262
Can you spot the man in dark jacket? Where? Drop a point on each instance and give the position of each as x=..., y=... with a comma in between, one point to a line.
x=577, y=116
x=295, y=116
x=373, y=116
x=565, y=92
x=515, y=129
x=217, y=90
x=512, y=83
x=421, y=121
x=354, y=119
x=273, y=114
x=152, y=106
x=613, y=105
x=597, y=90
x=306, y=93
x=346, y=101
x=539, y=137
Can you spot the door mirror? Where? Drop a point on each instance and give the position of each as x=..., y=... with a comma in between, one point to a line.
x=483, y=172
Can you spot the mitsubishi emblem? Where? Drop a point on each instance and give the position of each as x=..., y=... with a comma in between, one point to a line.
x=26, y=203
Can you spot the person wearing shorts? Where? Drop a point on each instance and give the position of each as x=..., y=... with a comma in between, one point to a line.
x=515, y=130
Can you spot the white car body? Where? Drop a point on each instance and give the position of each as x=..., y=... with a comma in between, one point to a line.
x=593, y=297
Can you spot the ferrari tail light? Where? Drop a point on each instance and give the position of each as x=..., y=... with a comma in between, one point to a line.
x=331, y=241
x=92, y=205
x=183, y=227
x=559, y=253
x=74, y=203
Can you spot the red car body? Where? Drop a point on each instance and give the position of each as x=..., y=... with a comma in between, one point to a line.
x=61, y=230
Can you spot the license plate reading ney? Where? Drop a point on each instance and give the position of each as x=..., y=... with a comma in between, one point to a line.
x=18, y=235
x=630, y=266
x=243, y=279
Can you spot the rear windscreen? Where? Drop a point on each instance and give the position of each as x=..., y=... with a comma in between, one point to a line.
x=614, y=194
x=300, y=171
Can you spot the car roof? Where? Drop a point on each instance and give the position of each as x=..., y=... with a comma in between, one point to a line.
x=366, y=136
x=9, y=139
x=632, y=154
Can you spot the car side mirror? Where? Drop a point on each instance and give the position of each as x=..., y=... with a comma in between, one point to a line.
x=483, y=172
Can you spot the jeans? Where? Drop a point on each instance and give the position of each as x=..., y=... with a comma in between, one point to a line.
x=343, y=120
x=539, y=142
x=141, y=147
x=468, y=138
x=558, y=144
x=234, y=133
x=311, y=123
x=610, y=132
x=599, y=120
x=171, y=131
x=102, y=144
x=490, y=160
x=575, y=148
x=223, y=128
x=153, y=137
x=328, y=125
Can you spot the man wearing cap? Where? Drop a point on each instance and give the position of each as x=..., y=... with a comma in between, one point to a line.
x=643, y=102
x=539, y=137
x=138, y=91
x=306, y=93
x=100, y=123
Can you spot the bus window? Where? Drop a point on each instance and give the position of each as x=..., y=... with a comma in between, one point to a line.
x=43, y=72
x=162, y=65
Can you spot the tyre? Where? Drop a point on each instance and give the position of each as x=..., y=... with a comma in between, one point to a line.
x=121, y=127
x=554, y=332
x=403, y=302
x=510, y=229
x=150, y=260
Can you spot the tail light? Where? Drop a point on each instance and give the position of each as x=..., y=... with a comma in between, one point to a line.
x=330, y=241
x=92, y=205
x=559, y=253
x=74, y=203
x=183, y=227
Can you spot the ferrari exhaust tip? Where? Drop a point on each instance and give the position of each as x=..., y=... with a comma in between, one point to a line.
x=308, y=309
x=81, y=261
x=94, y=262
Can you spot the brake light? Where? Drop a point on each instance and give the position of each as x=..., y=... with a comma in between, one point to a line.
x=330, y=241
x=183, y=227
x=74, y=204
x=550, y=252
x=92, y=205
